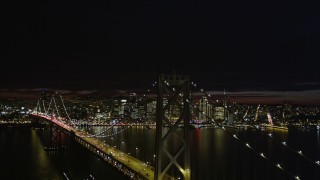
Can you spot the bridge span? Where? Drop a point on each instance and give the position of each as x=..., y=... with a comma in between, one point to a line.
x=130, y=166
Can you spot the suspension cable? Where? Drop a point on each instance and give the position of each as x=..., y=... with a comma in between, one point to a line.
x=54, y=101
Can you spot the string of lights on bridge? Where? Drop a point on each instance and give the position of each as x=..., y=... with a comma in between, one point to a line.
x=108, y=135
x=246, y=144
x=98, y=134
x=285, y=144
x=265, y=133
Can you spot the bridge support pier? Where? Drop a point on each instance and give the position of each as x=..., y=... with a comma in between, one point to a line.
x=56, y=139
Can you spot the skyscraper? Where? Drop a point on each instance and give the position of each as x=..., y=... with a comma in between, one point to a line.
x=205, y=108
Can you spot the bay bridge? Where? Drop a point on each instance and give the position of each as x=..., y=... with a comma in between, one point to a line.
x=174, y=96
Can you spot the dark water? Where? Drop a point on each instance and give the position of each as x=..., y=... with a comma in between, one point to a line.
x=22, y=156
x=215, y=154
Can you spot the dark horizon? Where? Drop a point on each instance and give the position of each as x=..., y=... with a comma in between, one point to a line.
x=140, y=81
x=233, y=45
x=309, y=97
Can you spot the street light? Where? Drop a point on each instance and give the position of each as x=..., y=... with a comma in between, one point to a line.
x=123, y=146
x=137, y=151
x=153, y=159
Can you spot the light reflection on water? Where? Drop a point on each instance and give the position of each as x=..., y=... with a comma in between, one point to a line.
x=215, y=154
x=23, y=157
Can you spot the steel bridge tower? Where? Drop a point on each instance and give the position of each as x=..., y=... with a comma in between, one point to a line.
x=172, y=129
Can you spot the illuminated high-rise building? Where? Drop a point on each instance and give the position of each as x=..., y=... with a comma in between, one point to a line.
x=219, y=113
x=122, y=105
x=205, y=108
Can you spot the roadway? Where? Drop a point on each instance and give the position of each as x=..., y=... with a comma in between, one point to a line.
x=136, y=165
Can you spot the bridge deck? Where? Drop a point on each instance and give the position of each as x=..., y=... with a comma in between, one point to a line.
x=135, y=164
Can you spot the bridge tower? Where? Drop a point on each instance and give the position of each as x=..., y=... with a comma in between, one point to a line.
x=172, y=129
x=57, y=136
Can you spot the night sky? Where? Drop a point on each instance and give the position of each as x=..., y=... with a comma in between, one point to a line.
x=122, y=44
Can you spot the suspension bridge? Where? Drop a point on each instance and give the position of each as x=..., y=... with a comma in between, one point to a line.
x=175, y=109
x=131, y=166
